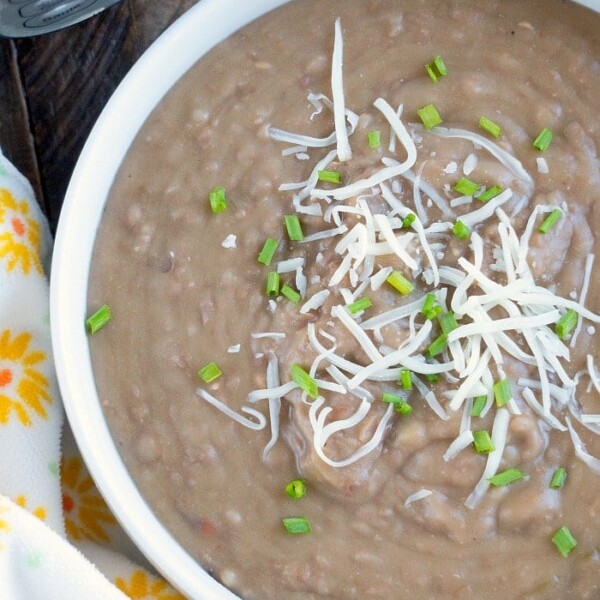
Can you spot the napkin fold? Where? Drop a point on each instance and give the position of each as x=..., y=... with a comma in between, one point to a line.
x=58, y=538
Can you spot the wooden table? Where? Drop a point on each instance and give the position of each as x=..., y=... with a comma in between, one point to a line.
x=53, y=87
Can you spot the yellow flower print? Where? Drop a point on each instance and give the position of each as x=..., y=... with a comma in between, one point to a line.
x=23, y=389
x=142, y=586
x=4, y=526
x=20, y=238
x=86, y=513
x=39, y=512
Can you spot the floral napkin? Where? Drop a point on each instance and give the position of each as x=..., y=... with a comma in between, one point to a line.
x=58, y=539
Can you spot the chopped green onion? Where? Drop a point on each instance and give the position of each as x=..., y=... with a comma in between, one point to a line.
x=406, y=379
x=563, y=539
x=400, y=405
x=550, y=221
x=294, y=229
x=489, y=193
x=330, y=176
x=432, y=377
x=268, y=251
x=542, y=141
x=273, y=284
x=502, y=392
x=290, y=293
x=558, y=478
x=488, y=125
x=374, y=138
x=210, y=372
x=430, y=116
x=566, y=323
x=482, y=442
x=304, y=380
x=448, y=322
x=296, y=525
x=436, y=69
x=461, y=231
x=408, y=220
x=509, y=476
x=296, y=489
x=466, y=187
x=218, y=202
x=478, y=405
x=437, y=346
x=400, y=283
x=99, y=319
x=430, y=309
x=440, y=65
x=359, y=305
x=431, y=72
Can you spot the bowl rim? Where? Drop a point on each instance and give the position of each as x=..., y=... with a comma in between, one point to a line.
x=157, y=70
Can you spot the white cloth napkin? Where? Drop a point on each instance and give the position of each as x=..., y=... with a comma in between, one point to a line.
x=58, y=539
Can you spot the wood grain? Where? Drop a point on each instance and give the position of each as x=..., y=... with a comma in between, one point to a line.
x=68, y=77
x=16, y=140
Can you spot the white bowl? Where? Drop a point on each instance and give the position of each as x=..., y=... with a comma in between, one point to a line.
x=194, y=34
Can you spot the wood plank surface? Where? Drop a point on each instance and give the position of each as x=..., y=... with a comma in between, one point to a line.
x=64, y=79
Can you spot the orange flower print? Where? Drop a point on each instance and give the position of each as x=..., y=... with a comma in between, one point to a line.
x=86, y=513
x=142, y=586
x=39, y=512
x=4, y=526
x=20, y=238
x=23, y=389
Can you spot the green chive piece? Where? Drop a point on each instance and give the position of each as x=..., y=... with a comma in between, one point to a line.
x=492, y=128
x=304, y=380
x=550, y=221
x=432, y=377
x=448, y=322
x=408, y=220
x=430, y=116
x=566, y=323
x=268, y=251
x=290, y=293
x=466, y=187
x=273, y=284
x=406, y=379
x=478, y=405
x=431, y=72
x=374, y=138
x=400, y=404
x=502, y=392
x=436, y=69
x=210, y=372
x=483, y=442
x=400, y=283
x=360, y=305
x=330, y=176
x=294, y=229
x=99, y=319
x=563, y=539
x=489, y=193
x=437, y=346
x=542, y=141
x=430, y=309
x=440, y=65
x=461, y=231
x=296, y=525
x=506, y=477
x=218, y=202
x=296, y=489
x=558, y=478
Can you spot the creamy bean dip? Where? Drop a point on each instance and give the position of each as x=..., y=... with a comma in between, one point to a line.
x=398, y=395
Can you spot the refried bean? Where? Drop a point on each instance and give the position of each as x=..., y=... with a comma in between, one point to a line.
x=415, y=515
